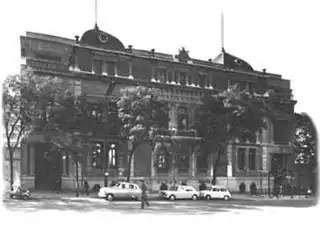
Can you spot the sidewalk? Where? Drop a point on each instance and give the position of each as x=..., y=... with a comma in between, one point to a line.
x=155, y=196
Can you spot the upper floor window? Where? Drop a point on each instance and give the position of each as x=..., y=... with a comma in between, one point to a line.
x=161, y=75
x=252, y=159
x=97, y=67
x=183, y=78
x=281, y=131
x=241, y=158
x=182, y=118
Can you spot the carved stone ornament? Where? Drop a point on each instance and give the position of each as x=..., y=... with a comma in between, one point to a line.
x=103, y=38
x=183, y=55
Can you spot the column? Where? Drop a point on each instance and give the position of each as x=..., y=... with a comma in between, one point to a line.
x=76, y=62
x=193, y=164
x=115, y=69
x=93, y=68
x=210, y=166
x=153, y=160
x=265, y=132
x=130, y=69
x=104, y=68
x=271, y=133
x=265, y=159
x=32, y=159
x=64, y=172
x=229, y=156
x=132, y=166
x=246, y=167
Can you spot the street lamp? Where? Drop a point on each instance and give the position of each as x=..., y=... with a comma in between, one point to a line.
x=106, y=174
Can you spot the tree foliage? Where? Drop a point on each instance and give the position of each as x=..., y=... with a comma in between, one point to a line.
x=141, y=114
x=26, y=98
x=228, y=115
x=305, y=140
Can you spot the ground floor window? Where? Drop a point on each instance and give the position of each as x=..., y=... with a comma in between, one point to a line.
x=97, y=154
x=183, y=164
x=202, y=164
x=112, y=155
x=162, y=163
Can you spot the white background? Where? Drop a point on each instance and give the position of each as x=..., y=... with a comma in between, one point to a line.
x=281, y=36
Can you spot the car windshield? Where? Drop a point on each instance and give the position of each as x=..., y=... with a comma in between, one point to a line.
x=173, y=188
x=115, y=185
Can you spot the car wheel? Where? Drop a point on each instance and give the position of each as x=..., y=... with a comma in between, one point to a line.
x=208, y=197
x=194, y=197
x=172, y=197
x=226, y=198
x=110, y=197
x=25, y=197
x=11, y=196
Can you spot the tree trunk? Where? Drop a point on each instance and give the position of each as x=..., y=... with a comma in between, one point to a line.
x=216, y=163
x=11, y=167
x=77, y=179
x=129, y=166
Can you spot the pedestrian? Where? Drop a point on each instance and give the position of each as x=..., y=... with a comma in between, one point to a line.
x=144, y=190
x=86, y=187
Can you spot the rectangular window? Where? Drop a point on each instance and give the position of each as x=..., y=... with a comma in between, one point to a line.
x=252, y=159
x=97, y=154
x=202, y=80
x=111, y=68
x=241, y=158
x=177, y=77
x=170, y=77
x=183, y=164
x=112, y=156
x=161, y=75
x=281, y=131
x=183, y=78
x=202, y=164
x=97, y=67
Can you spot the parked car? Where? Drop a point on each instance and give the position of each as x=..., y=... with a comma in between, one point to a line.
x=215, y=192
x=120, y=190
x=20, y=193
x=180, y=192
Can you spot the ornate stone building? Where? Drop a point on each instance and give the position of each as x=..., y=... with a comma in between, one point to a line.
x=97, y=64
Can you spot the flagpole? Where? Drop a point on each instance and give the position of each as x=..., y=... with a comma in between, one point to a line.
x=96, y=13
x=222, y=32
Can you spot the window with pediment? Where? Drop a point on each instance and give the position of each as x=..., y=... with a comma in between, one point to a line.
x=182, y=118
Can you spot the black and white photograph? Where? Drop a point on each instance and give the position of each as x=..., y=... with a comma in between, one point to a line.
x=149, y=110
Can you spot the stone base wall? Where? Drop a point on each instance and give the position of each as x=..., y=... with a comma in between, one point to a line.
x=232, y=183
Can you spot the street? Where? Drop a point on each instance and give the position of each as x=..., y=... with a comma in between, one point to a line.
x=87, y=204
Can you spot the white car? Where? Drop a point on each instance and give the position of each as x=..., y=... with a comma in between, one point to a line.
x=120, y=190
x=180, y=192
x=215, y=192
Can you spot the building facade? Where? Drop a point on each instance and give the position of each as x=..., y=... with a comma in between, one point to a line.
x=97, y=64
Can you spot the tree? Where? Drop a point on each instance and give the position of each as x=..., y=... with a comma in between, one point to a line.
x=25, y=100
x=71, y=128
x=305, y=139
x=228, y=115
x=141, y=114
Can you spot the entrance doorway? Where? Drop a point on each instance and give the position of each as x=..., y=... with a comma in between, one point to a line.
x=47, y=167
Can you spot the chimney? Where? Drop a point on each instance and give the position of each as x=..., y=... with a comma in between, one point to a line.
x=130, y=48
x=264, y=70
x=210, y=60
